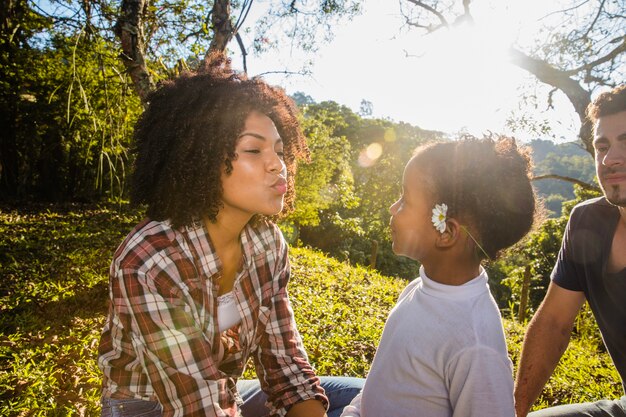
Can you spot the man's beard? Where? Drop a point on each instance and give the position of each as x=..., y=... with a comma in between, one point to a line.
x=614, y=193
x=614, y=196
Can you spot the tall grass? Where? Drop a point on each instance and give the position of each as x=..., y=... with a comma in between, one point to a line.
x=53, y=298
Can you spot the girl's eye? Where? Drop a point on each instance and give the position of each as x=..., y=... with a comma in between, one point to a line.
x=252, y=151
x=281, y=154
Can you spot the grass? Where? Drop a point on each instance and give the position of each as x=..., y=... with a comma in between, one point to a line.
x=53, y=299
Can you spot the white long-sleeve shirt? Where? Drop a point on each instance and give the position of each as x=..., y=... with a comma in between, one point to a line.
x=442, y=354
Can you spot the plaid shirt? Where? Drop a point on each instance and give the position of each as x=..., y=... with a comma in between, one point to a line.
x=161, y=339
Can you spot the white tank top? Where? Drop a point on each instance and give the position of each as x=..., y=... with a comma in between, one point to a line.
x=227, y=312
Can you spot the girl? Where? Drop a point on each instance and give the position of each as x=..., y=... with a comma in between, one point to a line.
x=443, y=351
x=201, y=284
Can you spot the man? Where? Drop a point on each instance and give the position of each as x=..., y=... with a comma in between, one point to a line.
x=591, y=266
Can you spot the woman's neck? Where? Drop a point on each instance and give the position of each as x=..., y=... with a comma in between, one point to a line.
x=226, y=230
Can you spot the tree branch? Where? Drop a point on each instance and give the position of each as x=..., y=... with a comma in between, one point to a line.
x=590, y=28
x=621, y=48
x=582, y=184
x=577, y=95
x=430, y=9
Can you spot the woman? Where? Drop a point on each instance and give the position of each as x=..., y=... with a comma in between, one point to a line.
x=199, y=286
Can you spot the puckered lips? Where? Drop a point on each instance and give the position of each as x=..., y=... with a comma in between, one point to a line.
x=280, y=185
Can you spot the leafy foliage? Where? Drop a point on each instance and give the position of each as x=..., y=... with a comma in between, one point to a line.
x=67, y=113
x=53, y=301
x=538, y=251
x=369, y=156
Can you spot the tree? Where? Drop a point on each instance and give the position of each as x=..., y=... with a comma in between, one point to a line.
x=67, y=104
x=66, y=111
x=581, y=48
x=144, y=29
x=325, y=184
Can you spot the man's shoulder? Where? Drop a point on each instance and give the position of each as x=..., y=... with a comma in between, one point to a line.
x=598, y=206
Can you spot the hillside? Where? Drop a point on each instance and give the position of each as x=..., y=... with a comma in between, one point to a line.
x=53, y=300
x=565, y=159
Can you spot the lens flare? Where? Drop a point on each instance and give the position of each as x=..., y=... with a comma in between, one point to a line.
x=370, y=155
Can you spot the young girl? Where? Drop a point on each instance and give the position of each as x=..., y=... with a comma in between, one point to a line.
x=200, y=285
x=443, y=351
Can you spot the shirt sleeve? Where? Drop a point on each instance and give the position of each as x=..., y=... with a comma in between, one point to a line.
x=481, y=384
x=281, y=361
x=167, y=337
x=565, y=272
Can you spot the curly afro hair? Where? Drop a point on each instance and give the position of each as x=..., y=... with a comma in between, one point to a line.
x=486, y=185
x=188, y=134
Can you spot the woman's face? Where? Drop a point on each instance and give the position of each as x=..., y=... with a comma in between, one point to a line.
x=258, y=180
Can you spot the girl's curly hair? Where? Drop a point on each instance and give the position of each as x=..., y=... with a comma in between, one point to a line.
x=188, y=133
x=486, y=184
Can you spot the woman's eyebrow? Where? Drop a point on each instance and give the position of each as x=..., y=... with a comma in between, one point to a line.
x=258, y=136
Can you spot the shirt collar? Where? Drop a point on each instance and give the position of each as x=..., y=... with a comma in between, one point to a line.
x=252, y=246
x=476, y=286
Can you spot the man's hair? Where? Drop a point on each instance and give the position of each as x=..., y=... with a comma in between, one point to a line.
x=607, y=103
x=189, y=131
x=486, y=185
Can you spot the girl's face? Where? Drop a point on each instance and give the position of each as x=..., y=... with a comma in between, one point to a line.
x=258, y=181
x=412, y=231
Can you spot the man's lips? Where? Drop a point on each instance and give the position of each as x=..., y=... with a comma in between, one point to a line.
x=614, y=177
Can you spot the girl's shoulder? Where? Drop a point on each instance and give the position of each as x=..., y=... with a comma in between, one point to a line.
x=410, y=288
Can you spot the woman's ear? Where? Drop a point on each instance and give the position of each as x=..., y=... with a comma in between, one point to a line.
x=450, y=236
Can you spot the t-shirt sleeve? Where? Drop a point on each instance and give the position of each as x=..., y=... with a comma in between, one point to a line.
x=565, y=272
x=481, y=384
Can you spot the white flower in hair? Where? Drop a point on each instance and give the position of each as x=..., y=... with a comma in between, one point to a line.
x=439, y=217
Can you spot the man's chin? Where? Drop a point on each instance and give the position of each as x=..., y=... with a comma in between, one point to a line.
x=616, y=199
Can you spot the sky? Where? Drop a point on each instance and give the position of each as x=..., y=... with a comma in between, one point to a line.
x=452, y=81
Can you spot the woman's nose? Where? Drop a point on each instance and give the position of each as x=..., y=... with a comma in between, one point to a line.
x=276, y=163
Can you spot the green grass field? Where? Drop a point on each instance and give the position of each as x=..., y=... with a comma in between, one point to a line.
x=53, y=299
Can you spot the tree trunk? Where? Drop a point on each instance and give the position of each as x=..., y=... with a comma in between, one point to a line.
x=374, y=254
x=129, y=29
x=223, y=30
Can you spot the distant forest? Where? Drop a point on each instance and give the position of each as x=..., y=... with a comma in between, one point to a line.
x=565, y=159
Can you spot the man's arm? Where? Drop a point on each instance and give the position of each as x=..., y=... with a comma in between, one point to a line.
x=545, y=341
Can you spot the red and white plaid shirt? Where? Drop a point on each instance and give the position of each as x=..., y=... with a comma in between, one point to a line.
x=161, y=339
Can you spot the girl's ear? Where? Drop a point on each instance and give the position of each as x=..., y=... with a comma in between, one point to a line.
x=450, y=236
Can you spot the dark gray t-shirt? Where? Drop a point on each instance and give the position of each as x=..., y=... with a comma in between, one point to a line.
x=581, y=266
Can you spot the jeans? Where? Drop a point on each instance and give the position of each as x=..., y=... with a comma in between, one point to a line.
x=130, y=408
x=602, y=408
x=339, y=390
